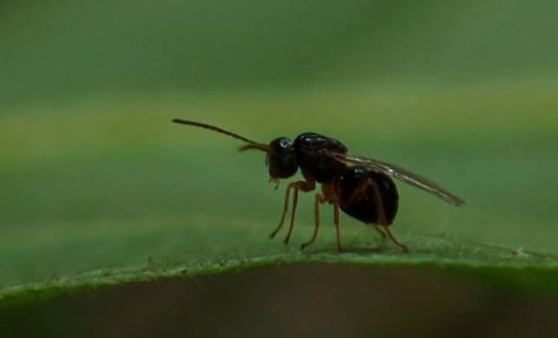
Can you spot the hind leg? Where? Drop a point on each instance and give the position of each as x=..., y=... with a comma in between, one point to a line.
x=394, y=240
x=382, y=223
x=382, y=219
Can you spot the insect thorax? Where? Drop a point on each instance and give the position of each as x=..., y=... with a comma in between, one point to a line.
x=311, y=149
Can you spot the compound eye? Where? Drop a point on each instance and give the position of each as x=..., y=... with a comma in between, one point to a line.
x=285, y=143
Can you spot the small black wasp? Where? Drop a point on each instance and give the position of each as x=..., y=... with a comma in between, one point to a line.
x=363, y=188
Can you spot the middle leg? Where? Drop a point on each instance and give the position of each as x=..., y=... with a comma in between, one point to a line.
x=319, y=200
x=329, y=194
x=336, y=221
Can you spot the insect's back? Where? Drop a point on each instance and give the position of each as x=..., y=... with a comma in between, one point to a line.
x=312, y=162
x=364, y=209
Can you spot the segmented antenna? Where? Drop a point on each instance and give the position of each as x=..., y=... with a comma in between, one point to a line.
x=253, y=144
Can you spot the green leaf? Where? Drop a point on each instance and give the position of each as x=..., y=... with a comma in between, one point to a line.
x=103, y=199
x=98, y=188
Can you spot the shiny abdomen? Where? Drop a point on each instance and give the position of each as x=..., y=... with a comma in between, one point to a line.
x=365, y=209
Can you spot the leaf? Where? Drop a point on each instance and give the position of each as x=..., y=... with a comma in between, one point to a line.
x=101, y=189
x=515, y=269
x=106, y=202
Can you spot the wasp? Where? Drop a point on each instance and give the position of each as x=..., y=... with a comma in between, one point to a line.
x=361, y=187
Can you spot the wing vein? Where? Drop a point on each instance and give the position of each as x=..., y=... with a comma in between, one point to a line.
x=401, y=174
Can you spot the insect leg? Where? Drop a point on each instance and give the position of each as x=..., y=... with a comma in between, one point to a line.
x=285, y=209
x=380, y=231
x=336, y=221
x=319, y=200
x=394, y=240
x=359, y=193
x=305, y=186
x=382, y=221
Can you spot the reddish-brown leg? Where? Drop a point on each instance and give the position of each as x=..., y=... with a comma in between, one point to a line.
x=394, y=240
x=358, y=194
x=305, y=186
x=336, y=221
x=380, y=231
x=319, y=200
x=382, y=220
x=285, y=209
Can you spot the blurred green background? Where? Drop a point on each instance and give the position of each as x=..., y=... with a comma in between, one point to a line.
x=94, y=176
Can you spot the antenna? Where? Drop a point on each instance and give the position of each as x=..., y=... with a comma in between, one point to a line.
x=253, y=144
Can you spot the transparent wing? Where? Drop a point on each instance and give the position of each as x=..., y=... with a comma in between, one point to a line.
x=401, y=174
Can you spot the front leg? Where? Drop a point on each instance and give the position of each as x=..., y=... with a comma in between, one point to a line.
x=285, y=209
x=305, y=186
